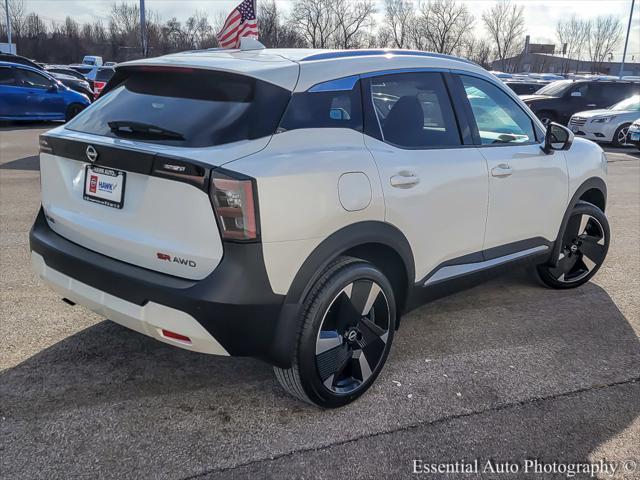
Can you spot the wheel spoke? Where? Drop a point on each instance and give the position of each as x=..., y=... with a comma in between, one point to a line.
x=591, y=249
x=371, y=328
x=578, y=270
x=565, y=264
x=328, y=340
x=363, y=366
x=331, y=361
x=363, y=296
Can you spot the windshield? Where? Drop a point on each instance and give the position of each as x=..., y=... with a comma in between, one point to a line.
x=199, y=108
x=555, y=89
x=630, y=104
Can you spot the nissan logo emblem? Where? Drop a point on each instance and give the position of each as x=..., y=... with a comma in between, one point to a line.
x=92, y=154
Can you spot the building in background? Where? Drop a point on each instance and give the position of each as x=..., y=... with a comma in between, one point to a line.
x=6, y=48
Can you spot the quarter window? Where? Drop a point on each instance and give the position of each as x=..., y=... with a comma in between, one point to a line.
x=7, y=77
x=498, y=117
x=332, y=109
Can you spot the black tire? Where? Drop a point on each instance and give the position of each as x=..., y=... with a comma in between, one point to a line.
x=585, y=243
x=73, y=110
x=330, y=367
x=546, y=117
x=620, y=137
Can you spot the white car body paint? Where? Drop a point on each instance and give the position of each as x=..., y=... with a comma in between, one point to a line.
x=310, y=183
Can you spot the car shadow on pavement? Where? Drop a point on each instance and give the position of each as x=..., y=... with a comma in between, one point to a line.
x=26, y=163
x=458, y=365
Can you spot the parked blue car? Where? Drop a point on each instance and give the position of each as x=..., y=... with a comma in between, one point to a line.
x=30, y=94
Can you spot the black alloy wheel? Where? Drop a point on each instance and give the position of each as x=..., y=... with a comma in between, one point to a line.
x=585, y=243
x=344, y=337
x=353, y=336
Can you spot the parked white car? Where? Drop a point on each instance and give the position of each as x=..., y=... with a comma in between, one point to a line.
x=609, y=125
x=292, y=204
x=634, y=134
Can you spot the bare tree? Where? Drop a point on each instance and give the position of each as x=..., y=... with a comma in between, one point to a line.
x=505, y=23
x=274, y=31
x=399, y=14
x=17, y=16
x=447, y=23
x=478, y=50
x=315, y=20
x=574, y=33
x=351, y=21
x=604, y=35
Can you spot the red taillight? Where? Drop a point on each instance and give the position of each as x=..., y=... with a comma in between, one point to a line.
x=175, y=336
x=98, y=86
x=234, y=203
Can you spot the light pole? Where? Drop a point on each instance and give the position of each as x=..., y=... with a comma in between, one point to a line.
x=6, y=10
x=143, y=29
x=626, y=41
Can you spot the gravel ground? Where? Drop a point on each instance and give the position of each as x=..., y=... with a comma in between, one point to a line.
x=504, y=371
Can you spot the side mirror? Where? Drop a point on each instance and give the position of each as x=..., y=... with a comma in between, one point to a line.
x=53, y=88
x=558, y=137
x=576, y=94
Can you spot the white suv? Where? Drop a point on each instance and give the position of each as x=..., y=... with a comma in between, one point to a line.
x=292, y=204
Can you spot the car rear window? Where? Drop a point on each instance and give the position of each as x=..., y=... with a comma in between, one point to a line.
x=205, y=108
x=104, y=74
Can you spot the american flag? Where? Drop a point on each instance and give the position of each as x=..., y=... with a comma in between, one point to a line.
x=241, y=22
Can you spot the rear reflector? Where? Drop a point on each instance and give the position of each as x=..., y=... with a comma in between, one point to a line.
x=175, y=336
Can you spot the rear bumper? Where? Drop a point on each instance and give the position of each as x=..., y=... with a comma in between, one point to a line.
x=233, y=311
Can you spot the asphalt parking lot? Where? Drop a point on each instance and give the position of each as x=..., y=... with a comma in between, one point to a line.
x=505, y=371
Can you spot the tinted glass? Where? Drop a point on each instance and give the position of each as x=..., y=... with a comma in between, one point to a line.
x=34, y=80
x=611, y=93
x=104, y=74
x=628, y=104
x=414, y=110
x=556, y=89
x=342, y=109
x=498, y=117
x=206, y=108
x=7, y=77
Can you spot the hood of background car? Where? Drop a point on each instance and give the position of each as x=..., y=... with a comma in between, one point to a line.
x=534, y=98
x=604, y=112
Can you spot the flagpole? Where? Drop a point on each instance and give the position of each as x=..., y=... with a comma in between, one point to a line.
x=626, y=41
x=143, y=29
x=6, y=10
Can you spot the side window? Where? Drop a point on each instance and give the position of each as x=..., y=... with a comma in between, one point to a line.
x=34, y=80
x=331, y=109
x=582, y=88
x=7, y=77
x=498, y=117
x=414, y=110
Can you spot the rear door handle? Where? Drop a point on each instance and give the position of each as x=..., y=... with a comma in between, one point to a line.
x=405, y=180
x=502, y=170
x=591, y=105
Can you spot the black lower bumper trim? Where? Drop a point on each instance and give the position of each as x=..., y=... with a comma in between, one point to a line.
x=235, y=303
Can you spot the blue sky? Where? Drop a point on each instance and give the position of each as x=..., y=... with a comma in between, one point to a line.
x=541, y=15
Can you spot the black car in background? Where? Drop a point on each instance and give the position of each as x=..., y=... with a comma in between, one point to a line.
x=64, y=70
x=525, y=87
x=11, y=58
x=79, y=85
x=559, y=100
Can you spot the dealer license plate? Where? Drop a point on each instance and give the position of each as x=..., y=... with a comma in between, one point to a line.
x=104, y=186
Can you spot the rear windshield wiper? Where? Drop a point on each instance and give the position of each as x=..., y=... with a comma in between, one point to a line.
x=143, y=129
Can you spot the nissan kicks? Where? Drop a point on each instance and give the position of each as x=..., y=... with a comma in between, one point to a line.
x=292, y=204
